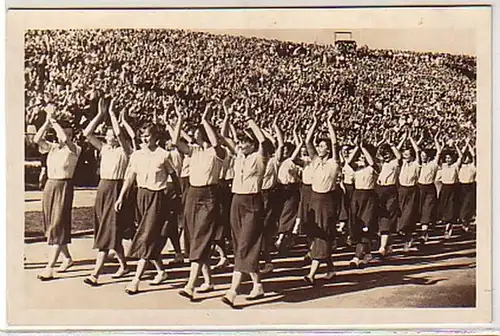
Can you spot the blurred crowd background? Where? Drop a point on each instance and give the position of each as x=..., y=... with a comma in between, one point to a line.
x=146, y=70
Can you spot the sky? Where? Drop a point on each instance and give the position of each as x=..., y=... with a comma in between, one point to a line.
x=454, y=41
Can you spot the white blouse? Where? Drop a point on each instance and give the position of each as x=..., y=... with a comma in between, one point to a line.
x=348, y=174
x=448, y=174
x=205, y=167
x=271, y=174
x=467, y=173
x=114, y=162
x=248, y=173
x=364, y=179
x=409, y=173
x=151, y=168
x=61, y=161
x=288, y=172
x=428, y=172
x=307, y=174
x=388, y=173
x=325, y=173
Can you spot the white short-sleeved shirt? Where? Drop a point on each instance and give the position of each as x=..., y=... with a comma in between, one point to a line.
x=428, y=172
x=288, y=172
x=448, y=174
x=271, y=174
x=151, y=168
x=176, y=162
x=348, y=174
x=467, y=173
x=307, y=174
x=365, y=178
x=388, y=173
x=248, y=173
x=409, y=173
x=205, y=166
x=114, y=162
x=325, y=173
x=61, y=161
x=185, y=166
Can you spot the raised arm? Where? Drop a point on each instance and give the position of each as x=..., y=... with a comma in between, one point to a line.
x=88, y=132
x=311, y=150
x=333, y=136
x=279, y=137
x=402, y=141
x=471, y=151
x=256, y=130
x=438, y=146
x=39, y=136
x=367, y=154
x=211, y=134
x=117, y=130
x=416, y=149
x=459, y=153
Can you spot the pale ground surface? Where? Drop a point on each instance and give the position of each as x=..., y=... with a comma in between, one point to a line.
x=441, y=276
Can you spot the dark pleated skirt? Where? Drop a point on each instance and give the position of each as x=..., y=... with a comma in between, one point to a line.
x=324, y=210
x=305, y=208
x=247, y=228
x=200, y=215
x=408, y=208
x=224, y=197
x=57, y=202
x=151, y=218
x=171, y=208
x=270, y=204
x=345, y=209
x=289, y=196
x=448, y=203
x=467, y=201
x=128, y=213
x=108, y=229
x=388, y=208
x=427, y=203
x=364, y=214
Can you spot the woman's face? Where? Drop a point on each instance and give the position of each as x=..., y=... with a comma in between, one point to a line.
x=423, y=156
x=247, y=147
x=303, y=152
x=197, y=137
x=323, y=150
x=147, y=138
x=361, y=162
x=406, y=154
x=448, y=159
x=111, y=138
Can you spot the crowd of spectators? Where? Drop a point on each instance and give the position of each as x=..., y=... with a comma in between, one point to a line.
x=147, y=69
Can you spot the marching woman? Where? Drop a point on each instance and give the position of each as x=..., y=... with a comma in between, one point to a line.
x=408, y=192
x=289, y=191
x=108, y=224
x=387, y=192
x=247, y=225
x=467, y=179
x=363, y=203
x=306, y=173
x=347, y=186
x=325, y=201
x=448, y=175
x=427, y=188
x=200, y=209
x=150, y=168
x=57, y=198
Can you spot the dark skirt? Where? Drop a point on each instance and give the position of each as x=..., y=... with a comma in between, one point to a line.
x=364, y=215
x=108, y=229
x=270, y=203
x=388, y=208
x=467, y=201
x=427, y=203
x=305, y=207
x=324, y=213
x=448, y=203
x=151, y=218
x=408, y=208
x=346, y=203
x=224, y=196
x=200, y=215
x=289, y=197
x=247, y=227
x=57, y=202
x=184, y=189
x=171, y=208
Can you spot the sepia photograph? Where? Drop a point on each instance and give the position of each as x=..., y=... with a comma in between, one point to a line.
x=288, y=165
